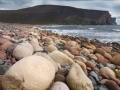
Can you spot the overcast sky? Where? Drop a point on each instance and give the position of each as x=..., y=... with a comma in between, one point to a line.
x=113, y=6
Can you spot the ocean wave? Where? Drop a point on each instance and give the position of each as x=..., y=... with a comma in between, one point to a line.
x=116, y=30
x=91, y=28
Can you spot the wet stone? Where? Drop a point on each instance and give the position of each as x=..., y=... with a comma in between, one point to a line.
x=3, y=69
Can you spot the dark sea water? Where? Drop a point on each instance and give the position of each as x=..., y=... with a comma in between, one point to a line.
x=104, y=33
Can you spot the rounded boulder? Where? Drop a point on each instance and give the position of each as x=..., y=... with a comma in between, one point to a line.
x=107, y=71
x=116, y=59
x=36, y=73
x=77, y=79
x=51, y=48
x=59, y=86
x=20, y=52
x=48, y=58
x=27, y=45
x=68, y=54
x=60, y=58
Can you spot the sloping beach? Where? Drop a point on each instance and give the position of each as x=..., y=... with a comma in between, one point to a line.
x=33, y=59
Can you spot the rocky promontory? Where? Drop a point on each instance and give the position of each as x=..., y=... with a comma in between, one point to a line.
x=54, y=14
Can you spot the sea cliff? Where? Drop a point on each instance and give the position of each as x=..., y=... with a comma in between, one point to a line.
x=54, y=14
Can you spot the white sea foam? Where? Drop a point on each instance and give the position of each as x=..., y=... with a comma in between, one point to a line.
x=116, y=30
x=105, y=33
x=91, y=28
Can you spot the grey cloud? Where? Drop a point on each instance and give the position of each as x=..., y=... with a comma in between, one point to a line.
x=17, y=2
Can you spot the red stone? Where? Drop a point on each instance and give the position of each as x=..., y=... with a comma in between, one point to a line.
x=3, y=55
x=111, y=85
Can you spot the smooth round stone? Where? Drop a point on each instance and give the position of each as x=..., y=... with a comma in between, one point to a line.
x=70, y=43
x=106, y=49
x=111, y=85
x=68, y=53
x=90, y=64
x=48, y=58
x=92, y=56
x=100, y=51
x=100, y=59
x=3, y=41
x=3, y=55
x=83, y=66
x=107, y=56
x=60, y=58
x=20, y=52
x=108, y=72
x=35, y=44
x=116, y=59
x=72, y=50
x=81, y=58
x=27, y=45
x=63, y=41
x=29, y=73
x=85, y=51
x=59, y=86
x=48, y=39
x=51, y=48
x=6, y=45
x=77, y=79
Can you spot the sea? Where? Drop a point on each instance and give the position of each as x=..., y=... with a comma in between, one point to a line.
x=104, y=33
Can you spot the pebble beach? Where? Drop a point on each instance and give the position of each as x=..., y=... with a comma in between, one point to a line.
x=34, y=59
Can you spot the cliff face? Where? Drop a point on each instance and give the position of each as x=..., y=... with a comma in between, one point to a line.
x=52, y=14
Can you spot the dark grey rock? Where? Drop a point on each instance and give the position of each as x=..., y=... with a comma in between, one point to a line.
x=93, y=62
x=1, y=62
x=10, y=49
x=86, y=57
x=93, y=81
x=111, y=66
x=103, y=87
x=67, y=66
x=95, y=75
x=3, y=69
x=100, y=65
